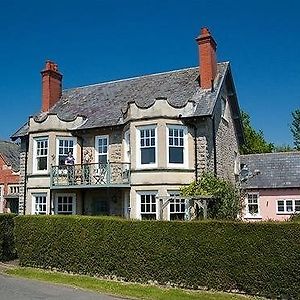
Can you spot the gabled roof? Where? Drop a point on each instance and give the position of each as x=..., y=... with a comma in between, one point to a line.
x=102, y=104
x=277, y=170
x=10, y=152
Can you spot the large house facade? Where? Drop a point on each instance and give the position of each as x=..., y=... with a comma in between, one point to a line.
x=9, y=177
x=132, y=140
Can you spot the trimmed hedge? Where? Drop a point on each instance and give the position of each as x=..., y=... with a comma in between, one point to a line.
x=257, y=258
x=7, y=243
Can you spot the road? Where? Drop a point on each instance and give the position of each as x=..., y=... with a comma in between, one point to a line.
x=12, y=288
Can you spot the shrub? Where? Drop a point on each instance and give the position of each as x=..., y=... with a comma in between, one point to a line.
x=7, y=243
x=257, y=258
x=225, y=205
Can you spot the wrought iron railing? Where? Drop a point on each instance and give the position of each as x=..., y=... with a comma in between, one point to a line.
x=90, y=174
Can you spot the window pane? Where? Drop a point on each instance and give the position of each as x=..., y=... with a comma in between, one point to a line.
x=148, y=155
x=280, y=206
x=176, y=155
x=289, y=205
x=42, y=163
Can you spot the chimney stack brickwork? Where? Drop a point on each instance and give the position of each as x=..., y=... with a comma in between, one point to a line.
x=51, y=85
x=207, y=56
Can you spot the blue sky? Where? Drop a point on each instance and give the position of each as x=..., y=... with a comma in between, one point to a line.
x=95, y=41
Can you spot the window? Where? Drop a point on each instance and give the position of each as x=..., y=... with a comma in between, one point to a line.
x=148, y=205
x=224, y=108
x=64, y=146
x=176, y=145
x=65, y=204
x=40, y=204
x=41, y=154
x=252, y=204
x=147, y=146
x=101, y=146
x=288, y=206
x=176, y=206
x=14, y=189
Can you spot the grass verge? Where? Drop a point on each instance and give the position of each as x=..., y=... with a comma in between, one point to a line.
x=127, y=290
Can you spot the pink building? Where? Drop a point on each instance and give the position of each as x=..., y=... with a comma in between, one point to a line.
x=273, y=194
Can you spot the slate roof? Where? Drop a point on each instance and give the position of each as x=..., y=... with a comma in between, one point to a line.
x=11, y=154
x=277, y=170
x=102, y=104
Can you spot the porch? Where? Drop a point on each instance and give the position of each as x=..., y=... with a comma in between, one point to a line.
x=93, y=202
x=90, y=175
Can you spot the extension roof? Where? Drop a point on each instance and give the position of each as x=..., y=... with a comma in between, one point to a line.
x=10, y=152
x=277, y=170
x=102, y=104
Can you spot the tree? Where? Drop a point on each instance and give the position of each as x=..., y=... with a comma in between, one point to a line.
x=254, y=140
x=226, y=202
x=295, y=128
x=283, y=148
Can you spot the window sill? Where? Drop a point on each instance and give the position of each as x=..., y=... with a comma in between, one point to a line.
x=287, y=213
x=252, y=216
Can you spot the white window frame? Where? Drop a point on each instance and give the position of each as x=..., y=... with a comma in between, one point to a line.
x=175, y=193
x=248, y=214
x=35, y=157
x=34, y=195
x=285, y=212
x=65, y=195
x=139, y=203
x=97, y=138
x=68, y=138
x=138, y=147
x=185, y=146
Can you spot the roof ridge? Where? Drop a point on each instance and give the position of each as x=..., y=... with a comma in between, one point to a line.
x=268, y=153
x=130, y=78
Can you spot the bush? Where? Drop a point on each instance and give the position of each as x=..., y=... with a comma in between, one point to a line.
x=226, y=203
x=257, y=258
x=7, y=243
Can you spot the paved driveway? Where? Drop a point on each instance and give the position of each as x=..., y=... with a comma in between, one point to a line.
x=12, y=288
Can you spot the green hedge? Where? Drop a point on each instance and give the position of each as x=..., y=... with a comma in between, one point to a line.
x=257, y=258
x=7, y=243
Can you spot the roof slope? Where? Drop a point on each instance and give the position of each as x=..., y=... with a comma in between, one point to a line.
x=277, y=170
x=102, y=103
x=11, y=154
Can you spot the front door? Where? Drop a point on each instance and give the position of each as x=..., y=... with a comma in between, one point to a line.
x=100, y=207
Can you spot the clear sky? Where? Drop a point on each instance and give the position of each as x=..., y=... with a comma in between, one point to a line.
x=96, y=41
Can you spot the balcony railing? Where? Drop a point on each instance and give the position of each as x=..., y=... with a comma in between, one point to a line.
x=90, y=174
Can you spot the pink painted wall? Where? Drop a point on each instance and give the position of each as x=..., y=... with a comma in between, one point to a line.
x=268, y=203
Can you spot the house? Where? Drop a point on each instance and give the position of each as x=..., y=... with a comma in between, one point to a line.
x=274, y=193
x=9, y=177
x=132, y=140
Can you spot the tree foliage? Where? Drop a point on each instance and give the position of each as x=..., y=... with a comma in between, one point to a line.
x=254, y=140
x=295, y=128
x=226, y=202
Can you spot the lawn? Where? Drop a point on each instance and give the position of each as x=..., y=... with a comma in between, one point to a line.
x=128, y=290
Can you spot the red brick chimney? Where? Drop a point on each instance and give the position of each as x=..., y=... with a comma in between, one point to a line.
x=51, y=85
x=207, y=56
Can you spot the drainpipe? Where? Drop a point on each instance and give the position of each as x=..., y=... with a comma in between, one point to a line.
x=214, y=144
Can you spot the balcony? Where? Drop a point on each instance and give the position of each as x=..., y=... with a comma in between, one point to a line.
x=90, y=175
